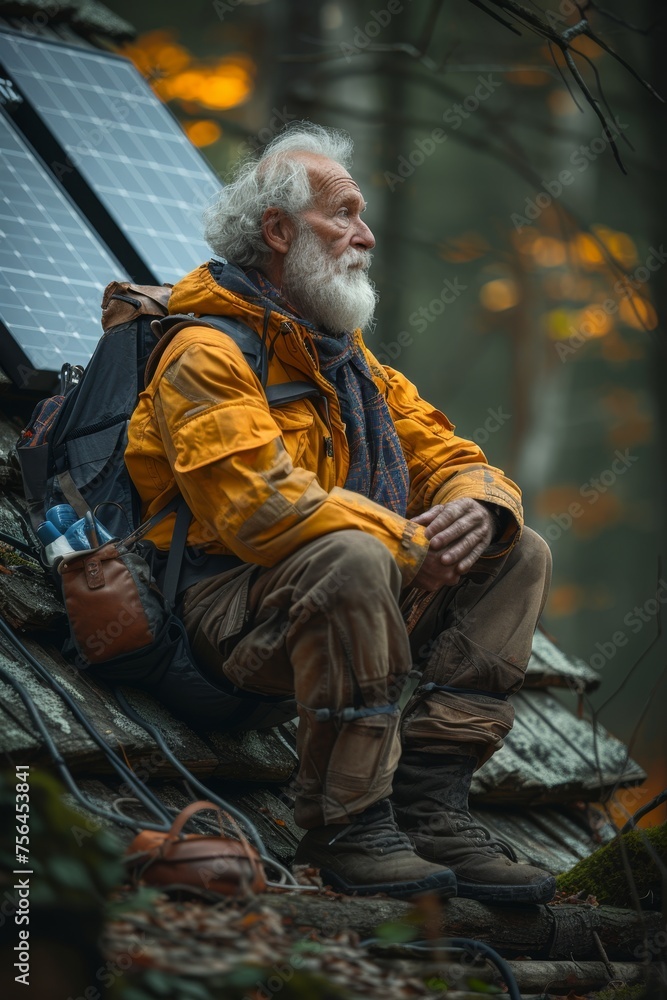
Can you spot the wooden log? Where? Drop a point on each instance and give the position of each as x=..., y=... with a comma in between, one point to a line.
x=550, y=666
x=579, y=977
x=270, y=753
x=254, y=756
x=538, y=977
x=550, y=932
x=27, y=602
x=28, y=598
x=539, y=766
x=270, y=815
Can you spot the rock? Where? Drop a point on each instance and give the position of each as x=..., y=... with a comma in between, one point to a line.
x=634, y=861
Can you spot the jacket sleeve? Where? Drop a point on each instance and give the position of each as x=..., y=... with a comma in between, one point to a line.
x=230, y=463
x=443, y=466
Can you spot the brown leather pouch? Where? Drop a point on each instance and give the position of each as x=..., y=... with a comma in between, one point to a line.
x=113, y=606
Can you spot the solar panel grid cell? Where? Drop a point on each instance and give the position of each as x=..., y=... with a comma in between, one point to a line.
x=125, y=144
x=53, y=268
x=129, y=168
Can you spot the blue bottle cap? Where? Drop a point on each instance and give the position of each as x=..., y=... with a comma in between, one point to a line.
x=47, y=533
x=62, y=515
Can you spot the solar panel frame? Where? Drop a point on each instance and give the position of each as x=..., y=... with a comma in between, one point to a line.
x=117, y=149
x=53, y=269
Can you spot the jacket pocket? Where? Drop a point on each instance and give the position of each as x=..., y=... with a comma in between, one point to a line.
x=365, y=754
x=214, y=612
x=443, y=717
x=296, y=424
x=458, y=660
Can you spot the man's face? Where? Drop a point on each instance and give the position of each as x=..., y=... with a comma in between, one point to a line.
x=337, y=208
x=325, y=267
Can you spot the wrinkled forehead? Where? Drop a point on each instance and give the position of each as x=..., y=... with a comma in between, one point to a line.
x=328, y=179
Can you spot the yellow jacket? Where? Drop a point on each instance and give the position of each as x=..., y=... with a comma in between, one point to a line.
x=262, y=482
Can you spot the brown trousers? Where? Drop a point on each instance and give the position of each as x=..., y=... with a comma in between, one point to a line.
x=327, y=626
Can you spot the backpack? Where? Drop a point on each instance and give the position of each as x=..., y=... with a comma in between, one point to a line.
x=73, y=446
x=72, y=451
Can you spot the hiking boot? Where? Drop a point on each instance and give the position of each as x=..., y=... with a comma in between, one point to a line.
x=371, y=855
x=430, y=797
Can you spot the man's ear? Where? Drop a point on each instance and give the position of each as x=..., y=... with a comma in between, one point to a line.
x=277, y=230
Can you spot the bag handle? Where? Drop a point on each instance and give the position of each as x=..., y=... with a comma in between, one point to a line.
x=189, y=811
x=195, y=807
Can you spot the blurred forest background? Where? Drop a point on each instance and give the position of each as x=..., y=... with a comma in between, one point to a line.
x=522, y=273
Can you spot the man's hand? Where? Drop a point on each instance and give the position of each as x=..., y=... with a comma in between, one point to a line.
x=459, y=532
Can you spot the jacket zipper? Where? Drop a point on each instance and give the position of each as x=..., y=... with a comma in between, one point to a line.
x=328, y=439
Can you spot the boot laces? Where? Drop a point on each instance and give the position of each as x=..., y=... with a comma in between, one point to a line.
x=376, y=829
x=463, y=823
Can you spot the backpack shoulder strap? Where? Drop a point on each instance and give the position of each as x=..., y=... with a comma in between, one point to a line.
x=167, y=328
x=246, y=339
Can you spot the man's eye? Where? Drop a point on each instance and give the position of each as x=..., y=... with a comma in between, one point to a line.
x=343, y=211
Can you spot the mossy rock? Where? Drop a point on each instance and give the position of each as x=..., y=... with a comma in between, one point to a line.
x=605, y=874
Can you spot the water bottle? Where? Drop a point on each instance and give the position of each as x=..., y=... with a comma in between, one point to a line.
x=55, y=545
x=62, y=515
x=87, y=533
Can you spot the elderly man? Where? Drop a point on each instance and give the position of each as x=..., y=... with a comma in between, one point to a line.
x=371, y=542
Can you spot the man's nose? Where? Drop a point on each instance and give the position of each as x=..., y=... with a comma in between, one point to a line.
x=363, y=238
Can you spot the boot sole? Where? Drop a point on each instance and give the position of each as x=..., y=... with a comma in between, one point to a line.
x=537, y=892
x=443, y=883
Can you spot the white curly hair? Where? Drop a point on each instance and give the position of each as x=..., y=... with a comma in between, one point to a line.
x=233, y=222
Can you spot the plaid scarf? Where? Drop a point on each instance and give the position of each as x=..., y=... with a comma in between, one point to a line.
x=378, y=468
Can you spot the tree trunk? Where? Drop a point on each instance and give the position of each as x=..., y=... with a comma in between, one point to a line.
x=549, y=932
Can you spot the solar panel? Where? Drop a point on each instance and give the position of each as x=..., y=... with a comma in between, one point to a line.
x=53, y=269
x=125, y=159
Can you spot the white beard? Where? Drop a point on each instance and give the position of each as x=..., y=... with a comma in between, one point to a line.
x=334, y=293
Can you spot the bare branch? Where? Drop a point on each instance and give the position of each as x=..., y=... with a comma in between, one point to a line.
x=514, y=11
x=496, y=17
x=563, y=40
x=591, y=5
x=604, y=100
x=563, y=77
x=574, y=70
x=626, y=65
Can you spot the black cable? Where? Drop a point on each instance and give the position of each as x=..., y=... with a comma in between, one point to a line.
x=143, y=793
x=60, y=763
x=649, y=807
x=474, y=947
x=187, y=774
x=25, y=547
x=468, y=945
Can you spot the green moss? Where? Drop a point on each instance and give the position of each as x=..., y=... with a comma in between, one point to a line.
x=605, y=875
x=10, y=557
x=637, y=992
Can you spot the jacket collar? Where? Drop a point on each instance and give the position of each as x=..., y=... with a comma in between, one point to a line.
x=253, y=285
